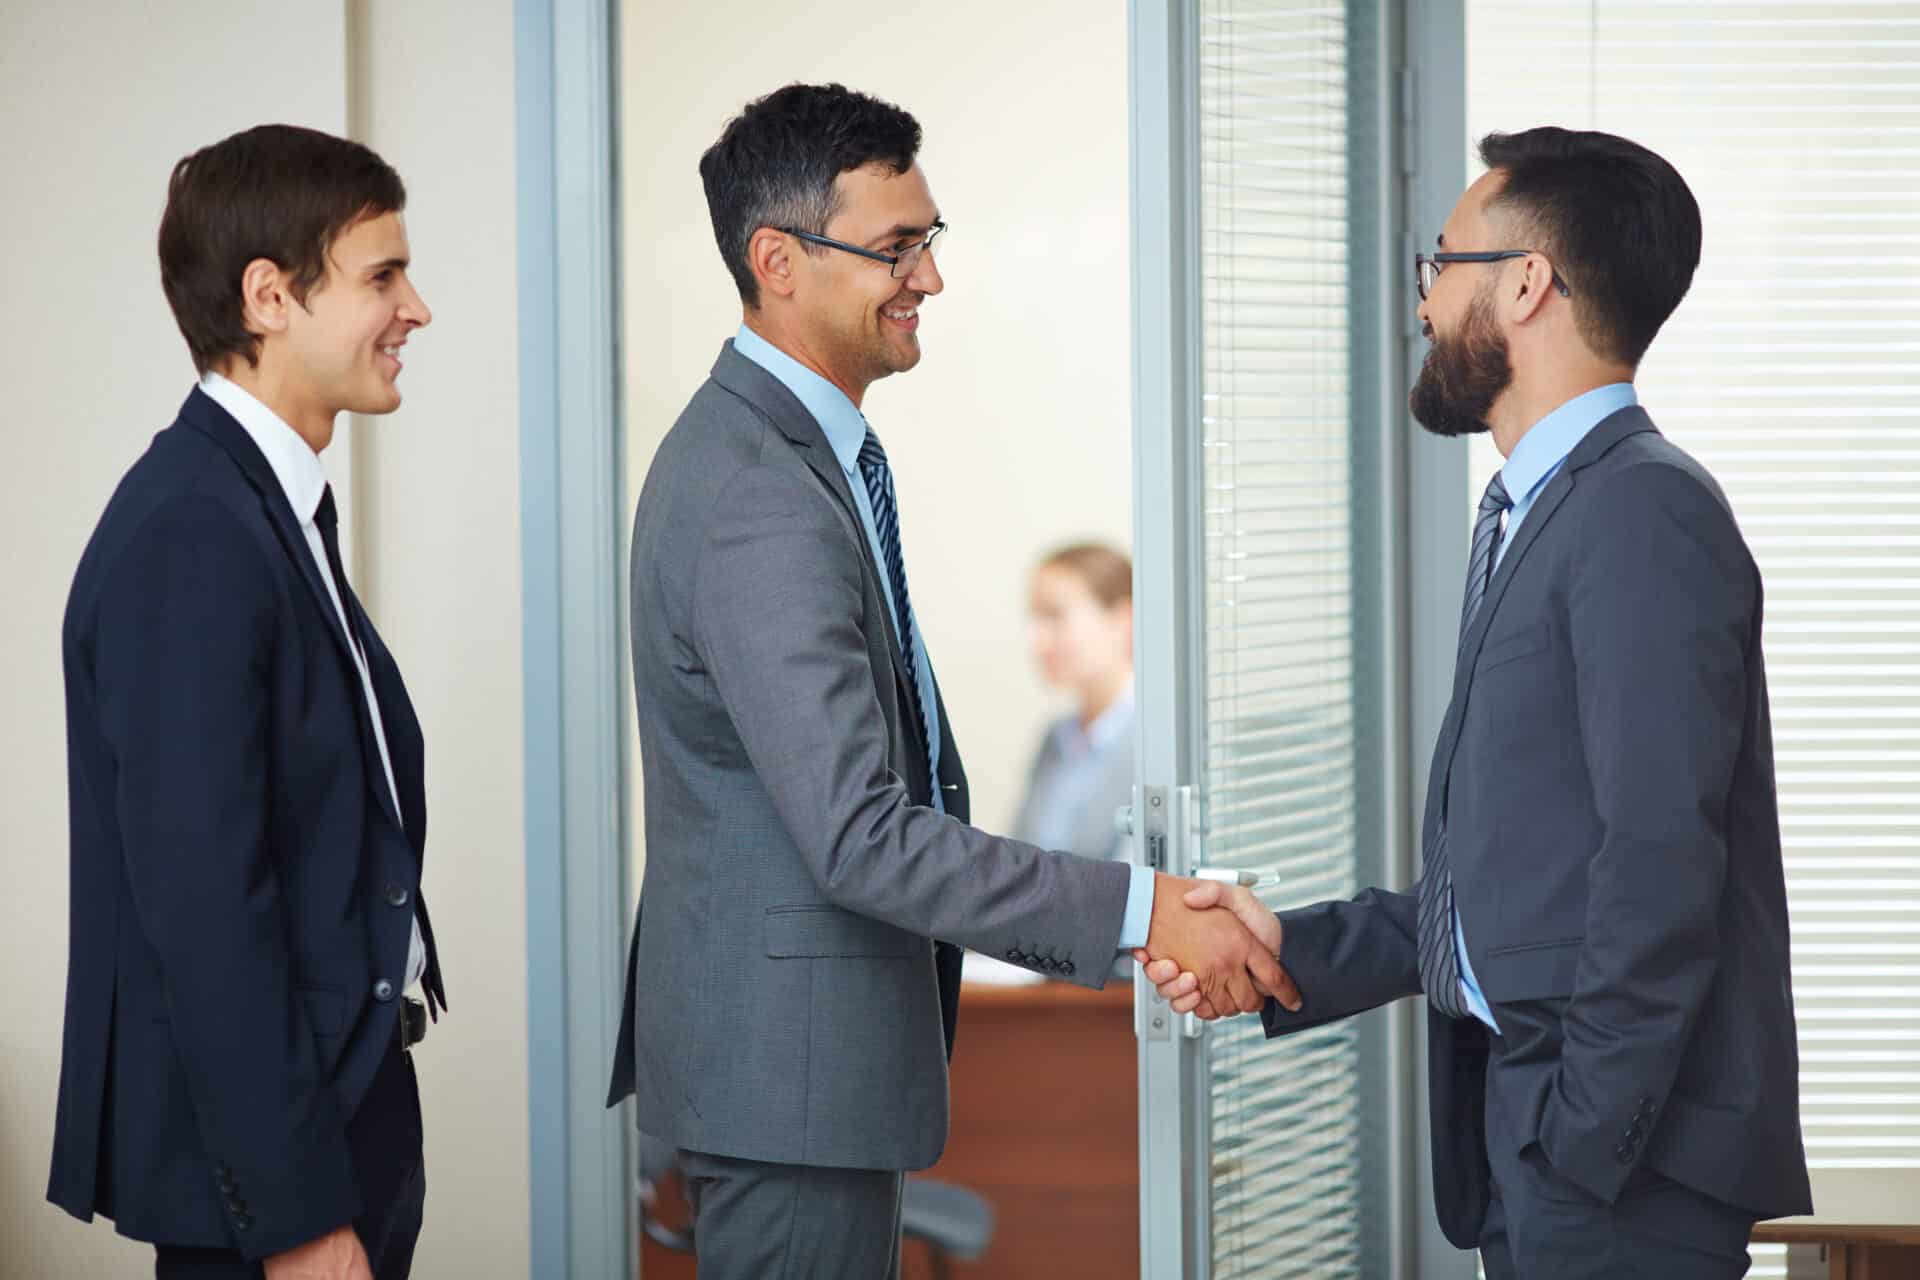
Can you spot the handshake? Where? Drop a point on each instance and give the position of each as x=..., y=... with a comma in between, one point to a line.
x=1214, y=949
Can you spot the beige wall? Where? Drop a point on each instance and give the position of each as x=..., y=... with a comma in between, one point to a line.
x=440, y=525
x=1012, y=435
x=94, y=115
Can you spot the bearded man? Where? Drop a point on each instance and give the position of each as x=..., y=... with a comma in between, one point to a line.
x=1600, y=925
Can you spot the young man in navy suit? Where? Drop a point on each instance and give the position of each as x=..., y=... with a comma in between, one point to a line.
x=244, y=768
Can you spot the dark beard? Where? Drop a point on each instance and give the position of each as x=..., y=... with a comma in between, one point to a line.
x=1463, y=376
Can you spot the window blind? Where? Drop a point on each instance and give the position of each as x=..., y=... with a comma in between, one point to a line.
x=1792, y=371
x=1281, y=774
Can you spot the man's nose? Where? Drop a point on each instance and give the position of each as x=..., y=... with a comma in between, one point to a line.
x=415, y=311
x=926, y=276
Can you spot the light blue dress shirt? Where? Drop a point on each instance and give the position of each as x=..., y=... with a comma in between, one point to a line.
x=1059, y=796
x=1536, y=460
x=846, y=430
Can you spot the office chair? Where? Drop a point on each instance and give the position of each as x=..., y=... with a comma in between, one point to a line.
x=951, y=1221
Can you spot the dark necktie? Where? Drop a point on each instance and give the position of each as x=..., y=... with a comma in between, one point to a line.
x=1439, y=964
x=327, y=519
x=886, y=523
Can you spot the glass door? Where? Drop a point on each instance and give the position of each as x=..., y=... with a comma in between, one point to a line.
x=1264, y=536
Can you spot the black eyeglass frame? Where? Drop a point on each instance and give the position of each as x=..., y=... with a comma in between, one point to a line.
x=892, y=260
x=1421, y=261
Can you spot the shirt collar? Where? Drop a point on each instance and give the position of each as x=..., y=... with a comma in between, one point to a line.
x=845, y=427
x=1108, y=726
x=302, y=476
x=1112, y=722
x=1547, y=444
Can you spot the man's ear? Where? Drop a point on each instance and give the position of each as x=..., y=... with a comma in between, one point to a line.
x=770, y=257
x=264, y=298
x=1528, y=288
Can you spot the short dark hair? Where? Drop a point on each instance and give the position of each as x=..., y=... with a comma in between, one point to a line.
x=277, y=192
x=1619, y=223
x=775, y=163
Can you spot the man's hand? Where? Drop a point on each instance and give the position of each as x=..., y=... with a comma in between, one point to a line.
x=1184, y=990
x=336, y=1255
x=1223, y=961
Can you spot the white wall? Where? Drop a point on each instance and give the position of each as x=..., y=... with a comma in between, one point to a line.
x=93, y=115
x=1013, y=433
x=94, y=366
x=440, y=560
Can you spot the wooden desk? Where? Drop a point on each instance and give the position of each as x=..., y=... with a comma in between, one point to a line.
x=1045, y=1126
x=1857, y=1252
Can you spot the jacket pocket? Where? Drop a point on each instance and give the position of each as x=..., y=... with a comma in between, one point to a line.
x=1529, y=970
x=1522, y=644
x=797, y=931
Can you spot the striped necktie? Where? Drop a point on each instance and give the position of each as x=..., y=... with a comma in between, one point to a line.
x=886, y=523
x=1439, y=963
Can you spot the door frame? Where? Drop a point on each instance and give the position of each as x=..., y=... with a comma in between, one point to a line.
x=1415, y=104
x=566, y=117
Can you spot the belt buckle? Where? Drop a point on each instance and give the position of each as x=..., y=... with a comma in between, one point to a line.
x=413, y=1022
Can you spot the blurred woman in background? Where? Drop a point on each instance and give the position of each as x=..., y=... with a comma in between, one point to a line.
x=1081, y=607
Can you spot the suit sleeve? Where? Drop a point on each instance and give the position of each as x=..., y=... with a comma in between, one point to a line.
x=776, y=618
x=1663, y=605
x=1347, y=958
x=184, y=645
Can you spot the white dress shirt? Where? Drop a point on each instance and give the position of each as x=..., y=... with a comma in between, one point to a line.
x=303, y=478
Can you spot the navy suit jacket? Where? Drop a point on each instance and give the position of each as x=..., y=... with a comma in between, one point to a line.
x=1605, y=777
x=241, y=884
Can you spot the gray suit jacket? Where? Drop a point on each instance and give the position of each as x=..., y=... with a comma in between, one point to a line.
x=786, y=1000
x=1605, y=779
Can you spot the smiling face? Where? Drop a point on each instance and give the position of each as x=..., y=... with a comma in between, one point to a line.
x=342, y=348
x=857, y=320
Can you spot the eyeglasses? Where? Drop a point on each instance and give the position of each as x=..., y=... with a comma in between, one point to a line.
x=902, y=263
x=1426, y=267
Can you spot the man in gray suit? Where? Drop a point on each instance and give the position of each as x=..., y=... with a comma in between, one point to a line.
x=789, y=1011
x=1601, y=923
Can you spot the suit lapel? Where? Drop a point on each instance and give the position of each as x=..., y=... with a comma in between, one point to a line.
x=1543, y=509
x=1595, y=445
x=203, y=414
x=768, y=394
x=404, y=739
x=952, y=780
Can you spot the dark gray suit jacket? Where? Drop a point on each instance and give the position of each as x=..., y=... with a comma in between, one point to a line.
x=1605, y=777
x=786, y=1000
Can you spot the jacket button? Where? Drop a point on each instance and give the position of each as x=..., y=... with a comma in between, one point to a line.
x=242, y=1222
x=397, y=895
x=227, y=1186
x=383, y=990
x=220, y=1169
x=1625, y=1153
x=1013, y=955
x=1066, y=967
